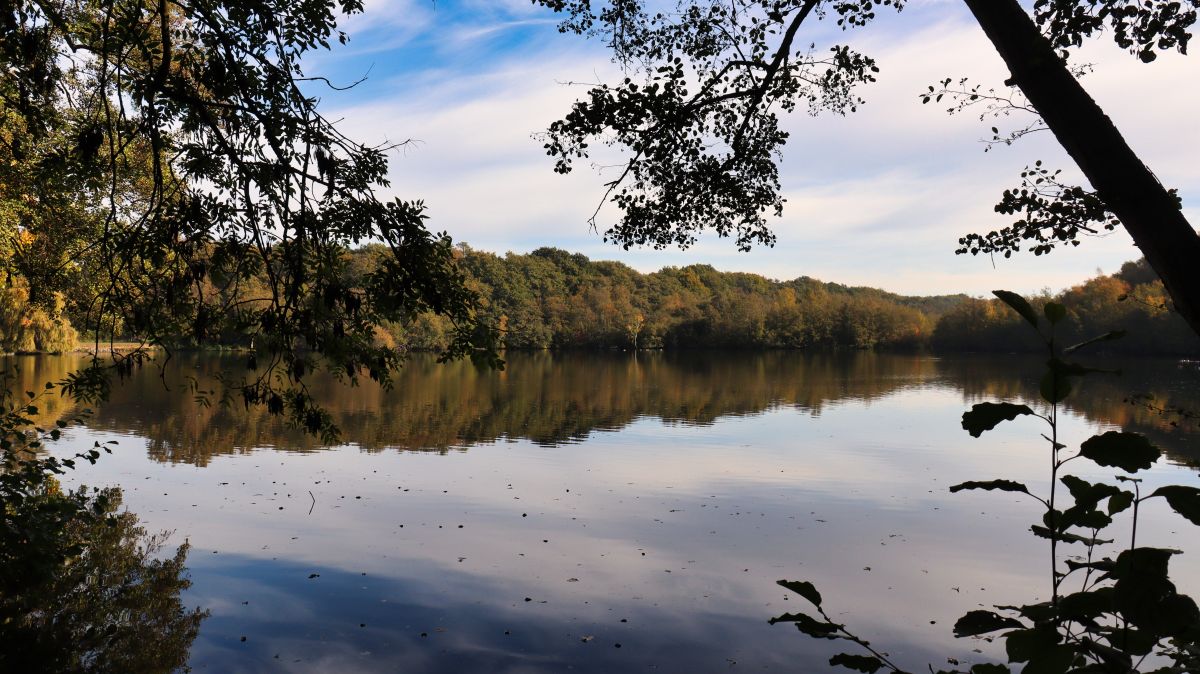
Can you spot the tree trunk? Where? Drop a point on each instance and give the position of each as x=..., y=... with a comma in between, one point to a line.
x=1148, y=212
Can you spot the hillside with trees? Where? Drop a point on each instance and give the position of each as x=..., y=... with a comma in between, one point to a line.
x=554, y=299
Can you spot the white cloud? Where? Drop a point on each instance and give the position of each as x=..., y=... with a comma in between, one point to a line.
x=879, y=197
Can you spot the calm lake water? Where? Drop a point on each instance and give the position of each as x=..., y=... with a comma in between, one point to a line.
x=611, y=513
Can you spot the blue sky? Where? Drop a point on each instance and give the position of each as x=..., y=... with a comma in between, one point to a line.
x=875, y=198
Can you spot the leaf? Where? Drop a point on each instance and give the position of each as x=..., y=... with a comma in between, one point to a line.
x=1079, y=606
x=1120, y=502
x=1055, y=387
x=1106, y=337
x=803, y=588
x=979, y=622
x=1183, y=500
x=1131, y=641
x=1086, y=493
x=986, y=416
x=1142, y=563
x=1025, y=645
x=1128, y=451
x=1002, y=485
x=989, y=668
x=1044, y=532
x=1018, y=304
x=868, y=664
x=809, y=625
x=1054, y=312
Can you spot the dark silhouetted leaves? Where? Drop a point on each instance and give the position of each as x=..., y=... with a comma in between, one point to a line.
x=1147, y=598
x=1065, y=537
x=809, y=625
x=1019, y=304
x=979, y=622
x=868, y=664
x=1183, y=500
x=804, y=589
x=989, y=668
x=1002, y=485
x=986, y=416
x=1086, y=605
x=1119, y=502
x=1128, y=451
x=1026, y=645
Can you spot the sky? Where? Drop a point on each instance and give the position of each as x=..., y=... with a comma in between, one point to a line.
x=877, y=198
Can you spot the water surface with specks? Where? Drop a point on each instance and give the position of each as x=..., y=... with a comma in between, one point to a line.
x=608, y=512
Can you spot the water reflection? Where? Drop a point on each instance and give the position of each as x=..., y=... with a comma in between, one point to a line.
x=560, y=398
x=769, y=466
x=97, y=596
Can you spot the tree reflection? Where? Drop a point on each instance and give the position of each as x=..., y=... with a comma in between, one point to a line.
x=94, y=595
x=552, y=398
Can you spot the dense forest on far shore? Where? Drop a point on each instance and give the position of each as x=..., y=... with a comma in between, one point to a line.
x=553, y=299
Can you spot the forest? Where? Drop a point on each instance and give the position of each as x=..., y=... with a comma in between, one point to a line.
x=554, y=299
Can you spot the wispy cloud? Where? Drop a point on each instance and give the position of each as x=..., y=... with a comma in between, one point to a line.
x=879, y=197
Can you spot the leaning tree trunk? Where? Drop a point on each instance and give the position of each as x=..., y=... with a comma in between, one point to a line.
x=1149, y=213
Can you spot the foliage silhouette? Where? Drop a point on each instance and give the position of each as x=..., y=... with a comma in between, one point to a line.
x=697, y=115
x=171, y=156
x=1121, y=611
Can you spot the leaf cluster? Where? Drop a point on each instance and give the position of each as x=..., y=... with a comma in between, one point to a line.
x=696, y=115
x=218, y=199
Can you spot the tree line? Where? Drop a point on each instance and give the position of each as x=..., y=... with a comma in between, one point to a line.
x=553, y=299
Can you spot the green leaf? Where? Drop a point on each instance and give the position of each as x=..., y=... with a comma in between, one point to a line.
x=1183, y=500
x=1054, y=312
x=868, y=664
x=1106, y=337
x=1018, y=304
x=1128, y=451
x=1002, y=485
x=979, y=622
x=803, y=588
x=986, y=416
x=1055, y=387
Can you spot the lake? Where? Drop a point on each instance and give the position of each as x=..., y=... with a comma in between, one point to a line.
x=598, y=512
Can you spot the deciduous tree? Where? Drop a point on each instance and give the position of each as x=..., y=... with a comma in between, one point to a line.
x=698, y=115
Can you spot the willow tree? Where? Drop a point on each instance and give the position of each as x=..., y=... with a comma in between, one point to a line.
x=698, y=114
x=190, y=138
